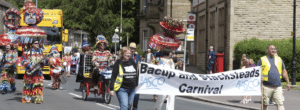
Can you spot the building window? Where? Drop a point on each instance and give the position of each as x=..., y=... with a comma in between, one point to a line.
x=221, y=37
x=202, y=36
x=145, y=40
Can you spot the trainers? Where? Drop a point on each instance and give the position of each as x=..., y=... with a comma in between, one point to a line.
x=13, y=90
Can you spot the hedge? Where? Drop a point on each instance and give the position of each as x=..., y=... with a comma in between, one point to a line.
x=255, y=48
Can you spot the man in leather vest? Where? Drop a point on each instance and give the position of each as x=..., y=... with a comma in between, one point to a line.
x=273, y=69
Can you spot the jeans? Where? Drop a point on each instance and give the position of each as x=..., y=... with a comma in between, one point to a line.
x=136, y=101
x=125, y=97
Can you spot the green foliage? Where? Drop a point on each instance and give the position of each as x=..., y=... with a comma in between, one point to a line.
x=255, y=48
x=140, y=51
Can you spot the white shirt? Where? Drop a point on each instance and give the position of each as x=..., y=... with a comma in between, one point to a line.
x=148, y=57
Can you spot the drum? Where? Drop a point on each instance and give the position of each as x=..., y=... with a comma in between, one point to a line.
x=56, y=71
x=106, y=73
x=63, y=78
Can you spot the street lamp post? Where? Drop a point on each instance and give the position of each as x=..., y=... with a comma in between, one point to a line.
x=294, y=47
x=115, y=38
x=121, y=25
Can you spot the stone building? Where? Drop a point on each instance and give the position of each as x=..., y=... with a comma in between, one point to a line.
x=153, y=11
x=223, y=23
x=4, y=6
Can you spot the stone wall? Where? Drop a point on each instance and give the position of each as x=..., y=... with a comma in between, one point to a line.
x=263, y=19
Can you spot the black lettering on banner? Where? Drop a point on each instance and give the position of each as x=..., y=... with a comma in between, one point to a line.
x=247, y=74
x=204, y=78
x=189, y=90
x=194, y=77
x=206, y=89
x=150, y=70
x=165, y=73
x=216, y=90
x=182, y=90
x=157, y=71
x=221, y=77
x=232, y=76
x=237, y=75
x=241, y=75
x=252, y=73
x=202, y=89
x=214, y=77
x=181, y=76
x=172, y=74
x=226, y=76
x=143, y=68
x=209, y=77
x=210, y=90
x=195, y=88
x=257, y=73
x=221, y=89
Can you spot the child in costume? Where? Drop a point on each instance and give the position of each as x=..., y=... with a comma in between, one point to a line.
x=55, y=67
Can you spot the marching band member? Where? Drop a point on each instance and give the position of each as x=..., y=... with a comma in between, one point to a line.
x=33, y=80
x=101, y=58
x=55, y=67
x=8, y=60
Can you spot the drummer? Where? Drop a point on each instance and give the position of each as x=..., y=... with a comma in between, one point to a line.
x=101, y=58
x=55, y=67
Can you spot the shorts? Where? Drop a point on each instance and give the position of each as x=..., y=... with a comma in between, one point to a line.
x=209, y=65
x=275, y=93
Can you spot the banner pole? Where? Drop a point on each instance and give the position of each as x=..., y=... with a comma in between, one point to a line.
x=262, y=92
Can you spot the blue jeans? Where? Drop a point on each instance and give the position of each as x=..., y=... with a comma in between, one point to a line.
x=125, y=97
x=136, y=101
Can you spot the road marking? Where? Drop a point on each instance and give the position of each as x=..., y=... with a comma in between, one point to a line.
x=209, y=103
x=105, y=106
x=113, y=105
x=75, y=95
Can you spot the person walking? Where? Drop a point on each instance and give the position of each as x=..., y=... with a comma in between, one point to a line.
x=55, y=67
x=8, y=60
x=210, y=60
x=273, y=69
x=67, y=59
x=124, y=79
x=245, y=64
x=149, y=57
x=33, y=81
x=166, y=62
x=137, y=59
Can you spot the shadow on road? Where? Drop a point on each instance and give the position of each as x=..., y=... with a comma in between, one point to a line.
x=148, y=100
x=234, y=101
x=18, y=99
x=92, y=99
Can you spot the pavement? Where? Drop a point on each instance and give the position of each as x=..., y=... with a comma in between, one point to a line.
x=291, y=98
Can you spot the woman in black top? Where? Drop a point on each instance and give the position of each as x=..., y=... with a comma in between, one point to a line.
x=130, y=79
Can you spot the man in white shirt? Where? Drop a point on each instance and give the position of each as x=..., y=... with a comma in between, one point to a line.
x=148, y=56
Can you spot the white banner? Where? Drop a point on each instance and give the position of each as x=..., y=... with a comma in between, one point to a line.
x=157, y=80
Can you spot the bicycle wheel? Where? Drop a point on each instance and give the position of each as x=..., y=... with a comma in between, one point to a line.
x=84, y=92
x=107, y=96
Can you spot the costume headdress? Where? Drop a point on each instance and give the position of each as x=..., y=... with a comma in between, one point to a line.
x=171, y=28
x=32, y=16
x=54, y=50
x=10, y=38
x=101, y=39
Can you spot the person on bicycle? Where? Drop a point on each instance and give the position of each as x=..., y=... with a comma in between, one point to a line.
x=101, y=58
